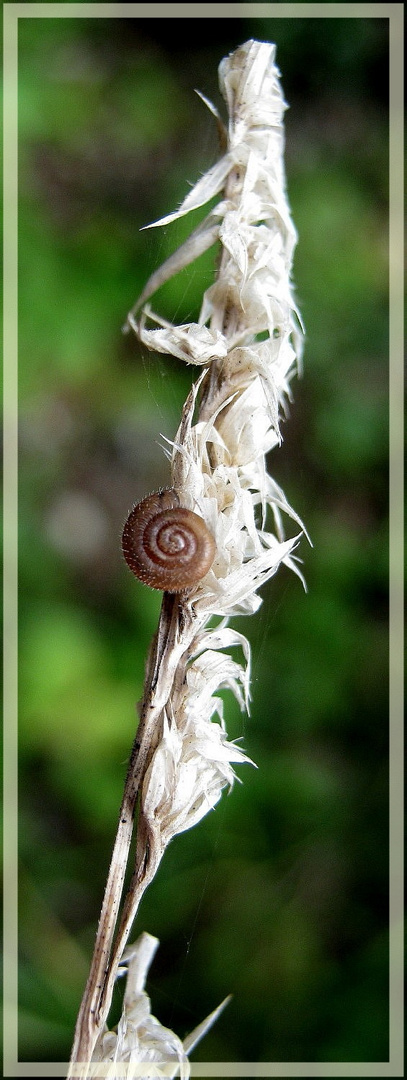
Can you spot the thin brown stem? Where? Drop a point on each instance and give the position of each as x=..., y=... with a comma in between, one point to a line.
x=175, y=632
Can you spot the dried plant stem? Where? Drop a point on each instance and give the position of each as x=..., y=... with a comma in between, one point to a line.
x=174, y=635
x=177, y=627
x=247, y=343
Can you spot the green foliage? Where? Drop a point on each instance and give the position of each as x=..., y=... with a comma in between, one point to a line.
x=279, y=896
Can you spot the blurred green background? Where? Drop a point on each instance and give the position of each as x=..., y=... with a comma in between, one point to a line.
x=280, y=896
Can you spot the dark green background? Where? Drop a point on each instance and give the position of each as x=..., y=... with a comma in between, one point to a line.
x=280, y=896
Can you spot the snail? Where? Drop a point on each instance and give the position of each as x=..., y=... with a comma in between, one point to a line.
x=165, y=545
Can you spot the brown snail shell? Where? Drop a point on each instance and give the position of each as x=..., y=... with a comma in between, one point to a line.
x=165, y=545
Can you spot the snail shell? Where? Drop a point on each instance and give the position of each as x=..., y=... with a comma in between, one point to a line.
x=165, y=545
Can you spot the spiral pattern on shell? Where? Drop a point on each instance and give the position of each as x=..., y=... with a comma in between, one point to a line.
x=165, y=545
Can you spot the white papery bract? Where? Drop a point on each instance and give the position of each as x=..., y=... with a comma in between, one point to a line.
x=248, y=341
x=140, y=1042
x=252, y=219
x=140, y=1038
x=193, y=761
